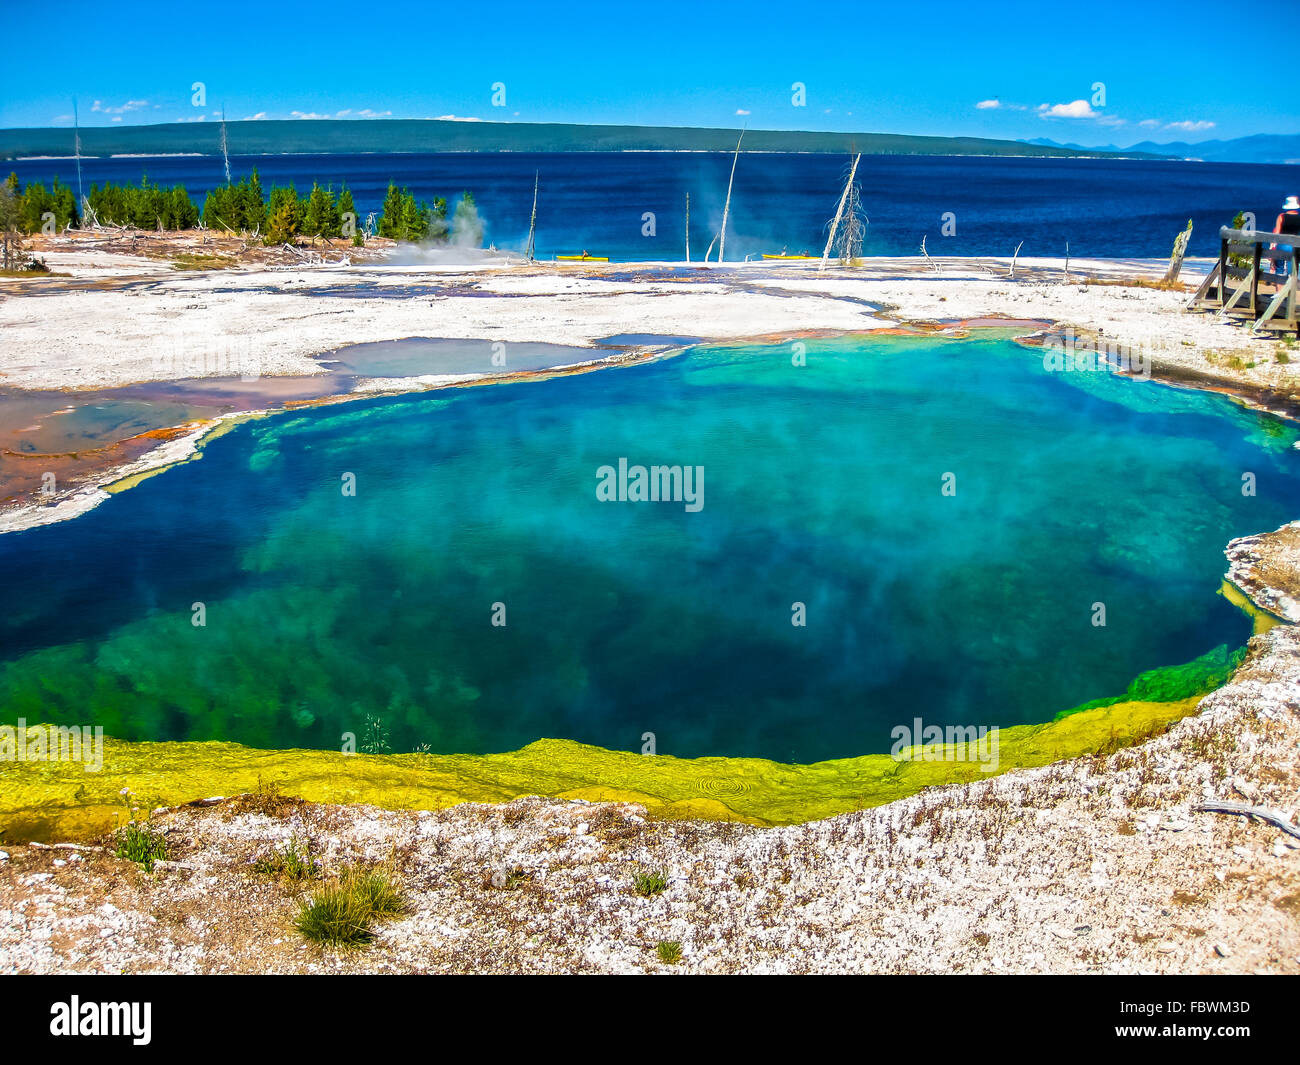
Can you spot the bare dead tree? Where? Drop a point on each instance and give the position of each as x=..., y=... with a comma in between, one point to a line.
x=848, y=194
x=726, y=207
x=933, y=265
x=225, y=152
x=530, y=253
x=1013, y=259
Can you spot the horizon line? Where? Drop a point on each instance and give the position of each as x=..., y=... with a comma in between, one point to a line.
x=474, y=121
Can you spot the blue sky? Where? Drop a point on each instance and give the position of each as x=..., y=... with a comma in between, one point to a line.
x=1007, y=69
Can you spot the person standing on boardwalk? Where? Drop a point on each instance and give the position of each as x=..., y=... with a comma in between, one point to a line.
x=1287, y=222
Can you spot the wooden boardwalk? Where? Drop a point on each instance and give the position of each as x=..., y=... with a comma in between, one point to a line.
x=1252, y=292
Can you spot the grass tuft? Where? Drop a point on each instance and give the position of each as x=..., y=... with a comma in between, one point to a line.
x=669, y=951
x=344, y=913
x=648, y=883
x=139, y=841
x=293, y=861
x=136, y=839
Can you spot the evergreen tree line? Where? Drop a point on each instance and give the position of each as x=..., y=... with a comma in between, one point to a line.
x=280, y=217
x=36, y=201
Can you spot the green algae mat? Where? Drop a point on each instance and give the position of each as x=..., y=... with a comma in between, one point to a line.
x=47, y=799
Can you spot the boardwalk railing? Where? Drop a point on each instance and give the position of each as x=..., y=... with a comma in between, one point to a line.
x=1234, y=290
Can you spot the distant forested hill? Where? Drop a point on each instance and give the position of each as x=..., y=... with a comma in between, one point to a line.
x=318, y=136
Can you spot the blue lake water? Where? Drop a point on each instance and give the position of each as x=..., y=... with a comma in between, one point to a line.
x=821, y=486
x=596, y=201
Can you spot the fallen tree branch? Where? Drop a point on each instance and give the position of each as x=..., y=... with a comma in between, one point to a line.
x=1273, y=817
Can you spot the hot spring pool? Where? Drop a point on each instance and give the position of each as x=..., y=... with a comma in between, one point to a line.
x=822, y=485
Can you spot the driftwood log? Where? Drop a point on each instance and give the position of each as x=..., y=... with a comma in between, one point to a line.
x=1273, y=817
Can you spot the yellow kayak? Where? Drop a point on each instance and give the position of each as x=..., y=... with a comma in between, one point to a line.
x=582, y=258
x=765, y=256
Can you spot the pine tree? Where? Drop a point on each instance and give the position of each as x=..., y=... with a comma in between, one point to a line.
x=254, y=206
x=414, y=222
x=466, y=226
x=333, y=216
x=33, y=206
x=283, y=216
x=11, y=238
x=438, y=220
x=349, y=224
x=390, y=220
x=219, y=209
x=316, y=216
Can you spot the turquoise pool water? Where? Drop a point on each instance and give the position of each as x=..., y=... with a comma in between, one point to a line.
x=822, y=486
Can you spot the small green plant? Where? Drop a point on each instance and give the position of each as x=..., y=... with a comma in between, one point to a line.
x=343, y=913
x=374, y=737
x=137, y=840
x=1283, y=357
x=669, y=951
x=649, y=883
x=1234, y=259
x=293, y=861
x=266, y=799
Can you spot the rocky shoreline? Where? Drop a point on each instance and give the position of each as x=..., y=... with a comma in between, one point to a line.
x=1267, y=568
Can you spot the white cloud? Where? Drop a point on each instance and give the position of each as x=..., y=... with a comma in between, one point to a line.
x=346, y=112
x=1149, y=123
x=1189, y=126
x=1074, y=109
x=741, y=111
x=988, y=105
x=255, y=118
x=456, y=118
x=130, y=105
x=197, y=118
